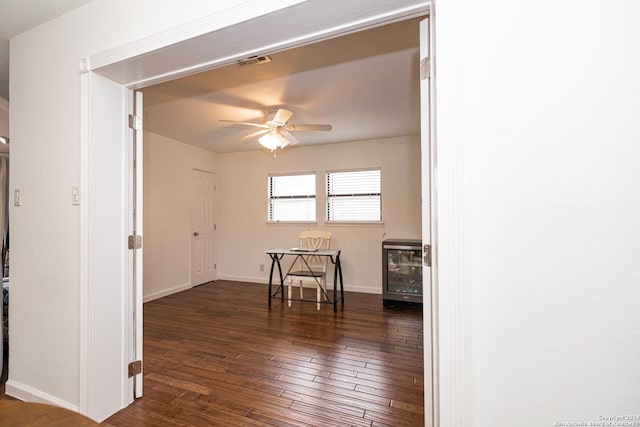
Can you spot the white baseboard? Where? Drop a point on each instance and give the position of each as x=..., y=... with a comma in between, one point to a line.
x=264, y=281
x=259, y=280
x=363, y=290
x=165, y=292
x=30, y=394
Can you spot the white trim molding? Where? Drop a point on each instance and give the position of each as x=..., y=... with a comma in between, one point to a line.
x=452, y=372
x=264, y=281
x=29, y=394
x=166, y=292
x=141, y=63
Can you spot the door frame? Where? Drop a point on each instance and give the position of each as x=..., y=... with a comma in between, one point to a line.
x=114, y=65
x=429, y=217
x=106, y=275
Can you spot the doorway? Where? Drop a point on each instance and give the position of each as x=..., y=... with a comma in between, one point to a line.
x=374, y=20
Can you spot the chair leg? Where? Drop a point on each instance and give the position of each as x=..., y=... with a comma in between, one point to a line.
x=289, y=293
x=318, y=293
x=301, y=290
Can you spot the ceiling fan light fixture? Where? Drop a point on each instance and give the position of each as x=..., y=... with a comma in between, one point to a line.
x=277, y=132
x=273, y=140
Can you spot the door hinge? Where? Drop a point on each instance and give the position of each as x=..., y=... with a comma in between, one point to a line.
x=135, y=368
x=427, y=255
x=215, y=227
x=135, y=122
x=425, y=68
x=135, y=242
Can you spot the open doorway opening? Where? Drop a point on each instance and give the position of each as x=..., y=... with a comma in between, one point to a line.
x=365, y=85
x=346, y=81
x=275, y=233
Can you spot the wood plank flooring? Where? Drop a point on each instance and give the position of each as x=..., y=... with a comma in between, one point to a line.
x=216, y=355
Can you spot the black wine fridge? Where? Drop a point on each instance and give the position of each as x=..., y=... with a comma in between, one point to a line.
x=402, y=272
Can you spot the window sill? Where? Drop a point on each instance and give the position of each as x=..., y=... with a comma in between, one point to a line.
x=290, y=222
x=356, y=223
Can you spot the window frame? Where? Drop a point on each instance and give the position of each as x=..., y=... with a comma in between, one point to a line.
x=270, y=176
x=328, y=197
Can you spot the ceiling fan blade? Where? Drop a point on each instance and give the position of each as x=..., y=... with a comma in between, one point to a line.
x=289, y=137
x=254, y=134
x=258, y=125
x=281, y=117
x=308, y=127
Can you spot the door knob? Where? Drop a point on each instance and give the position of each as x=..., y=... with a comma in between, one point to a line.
x=195, y=233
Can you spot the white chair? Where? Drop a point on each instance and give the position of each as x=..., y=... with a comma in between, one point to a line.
x=315, y=268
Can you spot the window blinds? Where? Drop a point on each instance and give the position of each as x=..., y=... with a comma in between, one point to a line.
x=292, y=198
x=354, y=196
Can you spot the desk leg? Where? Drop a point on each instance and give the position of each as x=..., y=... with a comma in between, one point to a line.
x=281, y=279
x=273, y=262
x=335, y=282
x=339, y=266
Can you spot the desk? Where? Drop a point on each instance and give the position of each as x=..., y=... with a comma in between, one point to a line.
x=277, y=255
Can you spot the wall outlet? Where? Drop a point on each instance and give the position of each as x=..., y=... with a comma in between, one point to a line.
x=261, y=267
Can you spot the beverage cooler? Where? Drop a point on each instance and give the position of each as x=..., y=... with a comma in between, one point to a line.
x=402, y=272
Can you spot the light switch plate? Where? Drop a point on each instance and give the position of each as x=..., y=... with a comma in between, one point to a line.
x=17, y=197
x=75, y=195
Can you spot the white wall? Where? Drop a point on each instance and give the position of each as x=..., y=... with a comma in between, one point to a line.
x=546, y=100
x=168, y=165
x=45, y=164
x=243, y=231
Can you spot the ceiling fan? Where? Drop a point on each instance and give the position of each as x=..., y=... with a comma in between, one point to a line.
x=276, y=133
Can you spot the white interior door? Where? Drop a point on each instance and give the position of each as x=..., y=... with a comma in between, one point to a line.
x=136, y=252
x=427, y=206
x=203, y=227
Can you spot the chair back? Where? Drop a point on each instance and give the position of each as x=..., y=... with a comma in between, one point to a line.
x=316, y=239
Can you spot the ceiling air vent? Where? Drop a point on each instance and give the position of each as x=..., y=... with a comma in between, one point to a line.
x=262, y=59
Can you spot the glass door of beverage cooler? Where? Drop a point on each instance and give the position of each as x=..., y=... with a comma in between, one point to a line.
x=402, y=276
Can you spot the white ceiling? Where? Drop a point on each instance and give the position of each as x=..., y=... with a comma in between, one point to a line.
x=365, y=84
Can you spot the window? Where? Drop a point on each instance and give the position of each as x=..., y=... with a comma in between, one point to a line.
x=354, y=196
x=292, y=198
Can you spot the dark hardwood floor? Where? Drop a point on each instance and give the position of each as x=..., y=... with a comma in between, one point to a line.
x=216, y=355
